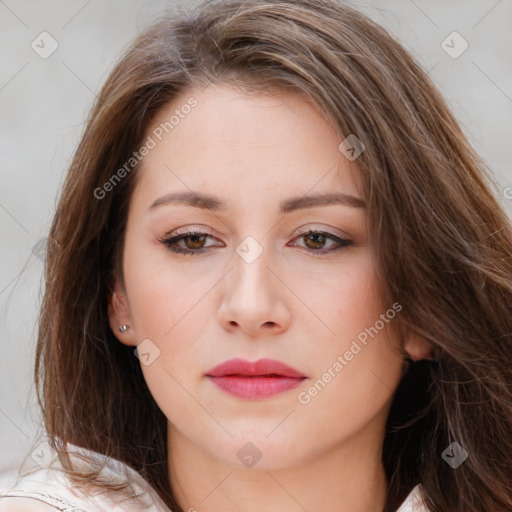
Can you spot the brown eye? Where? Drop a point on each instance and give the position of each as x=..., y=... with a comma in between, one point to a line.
x=315, y=240
x=187, y=243
x=197, y=241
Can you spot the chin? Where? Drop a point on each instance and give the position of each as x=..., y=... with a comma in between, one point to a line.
x=259, y=450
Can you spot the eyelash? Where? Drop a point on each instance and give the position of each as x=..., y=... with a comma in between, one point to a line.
x=170, y=242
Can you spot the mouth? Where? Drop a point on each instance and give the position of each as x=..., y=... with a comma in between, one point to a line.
x=255, y=380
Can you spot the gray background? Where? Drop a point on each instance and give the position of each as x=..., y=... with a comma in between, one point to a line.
x=44, y=103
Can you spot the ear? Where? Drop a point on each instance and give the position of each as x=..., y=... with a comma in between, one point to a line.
x=418, y=347
x=119, y=313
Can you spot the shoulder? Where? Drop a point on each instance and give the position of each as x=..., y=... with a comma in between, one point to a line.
x=48, y=487
x=414, y=501
x=41, y=489
x=28, y=497
x=24, y=504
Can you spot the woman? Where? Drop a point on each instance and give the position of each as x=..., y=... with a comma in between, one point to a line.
x=277, y=278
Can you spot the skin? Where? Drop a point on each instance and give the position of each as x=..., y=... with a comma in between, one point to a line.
x=252, y=151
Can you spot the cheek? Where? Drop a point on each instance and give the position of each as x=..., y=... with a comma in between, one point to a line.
x=351, y=301
x=174, y=318
x=168, y=311
x=357, y=368
x=163, y=295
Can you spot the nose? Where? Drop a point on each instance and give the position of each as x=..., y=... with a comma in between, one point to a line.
x=254, y=299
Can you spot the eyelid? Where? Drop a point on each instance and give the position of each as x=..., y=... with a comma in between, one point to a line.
x=199, y=230
x=173, y=237
x=203, y=230
x=326, y=229
x=184, y=233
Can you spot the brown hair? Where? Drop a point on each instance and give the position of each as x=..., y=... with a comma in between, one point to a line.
x=442, y=243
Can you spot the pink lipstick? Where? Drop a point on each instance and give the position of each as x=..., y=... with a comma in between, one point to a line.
x=255, y=380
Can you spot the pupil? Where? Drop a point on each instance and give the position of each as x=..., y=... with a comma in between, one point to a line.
x=315, y=238
x=194, y=239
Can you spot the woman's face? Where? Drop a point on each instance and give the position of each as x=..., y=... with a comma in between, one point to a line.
x=252, y=285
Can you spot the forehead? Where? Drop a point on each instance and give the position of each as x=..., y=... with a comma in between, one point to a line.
x=253, y=144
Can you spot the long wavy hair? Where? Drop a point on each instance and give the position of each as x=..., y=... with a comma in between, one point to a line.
x=442, y=243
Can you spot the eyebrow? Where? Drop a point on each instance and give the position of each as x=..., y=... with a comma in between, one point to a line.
x=208, y=202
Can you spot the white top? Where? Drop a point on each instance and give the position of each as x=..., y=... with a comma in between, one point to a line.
x=47, y=488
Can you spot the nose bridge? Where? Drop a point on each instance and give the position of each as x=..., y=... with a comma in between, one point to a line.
x=253, y=288
x=251, y=264
x=252, y=298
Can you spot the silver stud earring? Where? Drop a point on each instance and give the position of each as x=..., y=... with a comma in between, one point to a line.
x=123, y=328
x=407, y=358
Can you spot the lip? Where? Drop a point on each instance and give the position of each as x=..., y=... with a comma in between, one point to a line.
x=255, y=380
